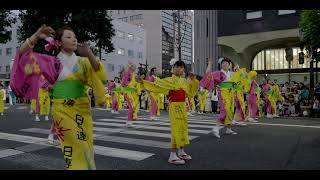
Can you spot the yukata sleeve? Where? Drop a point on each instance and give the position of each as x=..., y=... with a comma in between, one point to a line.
x=210, y=78
x=160, y=85
x=32, y=71
x=95, y=80
x=193, y=88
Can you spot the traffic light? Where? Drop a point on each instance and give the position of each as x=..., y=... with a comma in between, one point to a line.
x=301, y=58
x=289, y=54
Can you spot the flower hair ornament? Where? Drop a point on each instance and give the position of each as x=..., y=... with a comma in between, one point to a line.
x=173, y=61
x=52, y=44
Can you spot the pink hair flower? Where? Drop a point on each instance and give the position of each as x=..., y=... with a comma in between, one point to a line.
x=52, y=44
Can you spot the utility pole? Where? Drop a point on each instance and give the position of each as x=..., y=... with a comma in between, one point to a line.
x=177, y=40
x=313, y=55
x=179, y=35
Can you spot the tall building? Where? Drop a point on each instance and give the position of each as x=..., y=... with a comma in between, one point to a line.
x=205, y=40
x=129, y=46
x=161, y=28
x=257, y=39
x=7, y=54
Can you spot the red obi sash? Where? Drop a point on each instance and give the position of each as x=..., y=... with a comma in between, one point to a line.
x=177, y=96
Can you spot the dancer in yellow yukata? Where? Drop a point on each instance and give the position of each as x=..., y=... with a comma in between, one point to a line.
x=154, y=110
x=44, y=102
x=202, y=96
x=176, y=88
x=115, y=91
x=276, y=97
x=193, y=85
x=254, y=97
x=225, y=86
x=239, y=77
x=68, y=74
x=132, y=89
x=108, y=100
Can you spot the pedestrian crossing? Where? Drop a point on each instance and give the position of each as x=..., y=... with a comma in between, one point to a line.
x=111, y=136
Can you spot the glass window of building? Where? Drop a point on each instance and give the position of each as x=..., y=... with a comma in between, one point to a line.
x=0, y=68
x=130, y=53
x=253, y=14
x=275, y=59
x=124, y=19
x=283, y=12
x=140, y=55
x=110, y=67
x=8, y=68
x=139, y=39
x=121, y=51
x=130, y=37
x=0, y=52
x=136, y=17
x=9, y=51
x=120, y=34
x=119, y=68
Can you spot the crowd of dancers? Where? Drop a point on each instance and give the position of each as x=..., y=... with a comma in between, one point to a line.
x=64, y=80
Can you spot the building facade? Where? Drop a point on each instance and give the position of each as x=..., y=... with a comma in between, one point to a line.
x=257, y=39
x=7, y=54
x=205, y=40
x=161, y=27
x=129, y=46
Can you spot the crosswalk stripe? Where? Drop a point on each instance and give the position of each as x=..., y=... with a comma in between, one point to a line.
x=22, y=107
x=44, y=131
x=123, y=121
x=154, y=134
x=139, y=121
x=122, y=153
x=134, y=141
x=131, y=132
x=193, y=125
x=161, y=120
x=100, y=150
x=149, y=127
x=9, y=152
x=167, y=119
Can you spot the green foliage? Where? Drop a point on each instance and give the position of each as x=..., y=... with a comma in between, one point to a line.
x=6, y=19
x=309, y=24
x=89, y=25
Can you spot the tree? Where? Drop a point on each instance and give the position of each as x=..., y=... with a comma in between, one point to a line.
x=89, y=25
x=6, y=19
x=309, y=25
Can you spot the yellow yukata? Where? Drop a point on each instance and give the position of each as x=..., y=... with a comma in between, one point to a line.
x=1, y=101
x=33, y=105
x=160, y=102
x=132, y=91
x=177, y=110
x=44, y=101
x=71, y=111
x=108, y=100
x=193, y=88
x=239, y=78
x=120, y=99
x=202, y=96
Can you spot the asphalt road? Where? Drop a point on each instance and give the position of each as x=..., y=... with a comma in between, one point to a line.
x=282, y=143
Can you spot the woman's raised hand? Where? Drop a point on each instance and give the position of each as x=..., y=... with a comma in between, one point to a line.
x=44, y=32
